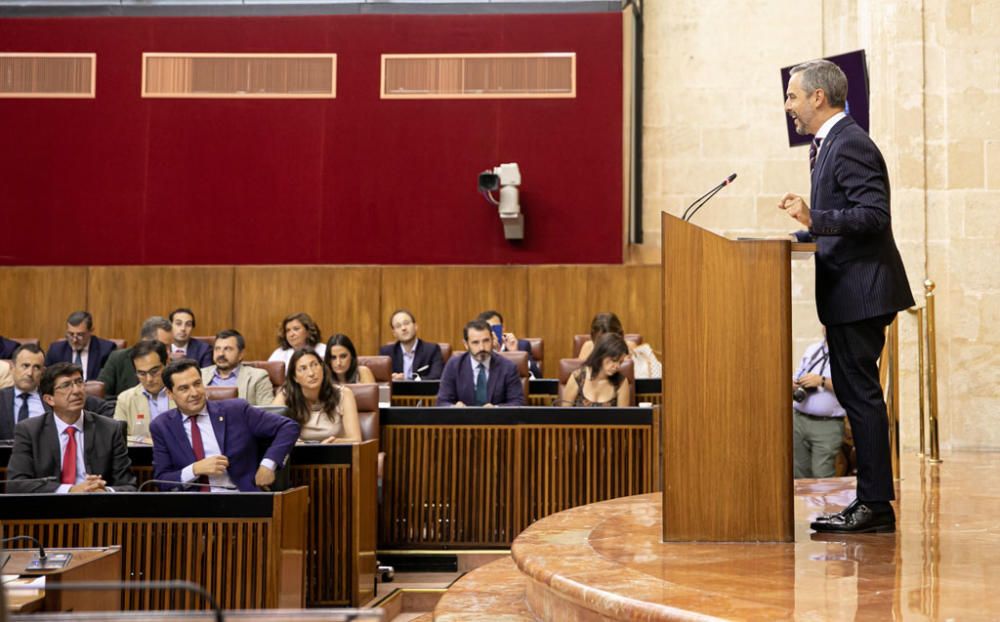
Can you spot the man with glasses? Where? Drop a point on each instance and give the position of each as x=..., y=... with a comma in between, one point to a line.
x=144, y=402
x=81, y=346
x=23, y=400
x=74, y=449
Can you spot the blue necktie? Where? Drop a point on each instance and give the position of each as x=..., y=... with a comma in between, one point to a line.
x=481, y=385
x=22, y=412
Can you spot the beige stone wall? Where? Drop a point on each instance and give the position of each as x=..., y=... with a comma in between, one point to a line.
x=713, y=105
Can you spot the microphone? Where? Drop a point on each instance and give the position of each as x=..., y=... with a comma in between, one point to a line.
x=705, y=198
x=41, y=551
x=175, y=485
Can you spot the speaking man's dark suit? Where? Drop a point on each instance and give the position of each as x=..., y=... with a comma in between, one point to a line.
x=7, y=347
x=503, y=388
x=199, y=351
x=427, y=358
x=860, y=285
x=97, y=355
x=37, y=453
x=8, y=412
x=238, y=426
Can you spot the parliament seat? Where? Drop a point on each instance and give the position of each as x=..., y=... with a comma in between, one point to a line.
x=94, y=388
x=366, y=396
x=380, y=365
x=119, y=343
x=568, y=366
x=537, y=351
x=445, y=351
x=579, y=340
x=222, y=393
x=275, y=371
x=26, y=340
x=520, y=359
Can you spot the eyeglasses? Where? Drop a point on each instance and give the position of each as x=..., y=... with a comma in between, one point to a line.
x=152, y=373
x=76, y=336
x=69, y=384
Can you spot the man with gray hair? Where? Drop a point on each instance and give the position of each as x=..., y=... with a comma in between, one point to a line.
x=81, y=346
x=119, y=372
x=860, y=280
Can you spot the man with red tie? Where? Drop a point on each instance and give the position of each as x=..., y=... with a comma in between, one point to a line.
x=215, y=443
x=69, y=449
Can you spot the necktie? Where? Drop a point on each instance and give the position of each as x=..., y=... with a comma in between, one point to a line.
x=813, y=150
x=69, y=458
x=481, y=385
x=178, y=354
x=22, y=412
x=76, y=358
x=199, y=450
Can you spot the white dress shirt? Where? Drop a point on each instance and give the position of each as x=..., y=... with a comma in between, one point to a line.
x=211, y=446
x=81, y=468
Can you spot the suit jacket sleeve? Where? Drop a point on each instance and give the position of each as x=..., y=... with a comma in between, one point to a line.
x=261, y=390
x=23, y=463
x=448, y=390
x=859, y=170
x=283, y=430
x=110, y=373
x=103, y=408
x=54, y=354
x=122, y=479
x=436, y=363
x=163, y=461
x=513, y=388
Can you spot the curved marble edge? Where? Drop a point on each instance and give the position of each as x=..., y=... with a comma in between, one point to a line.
x=494, y=591
x=557, y=552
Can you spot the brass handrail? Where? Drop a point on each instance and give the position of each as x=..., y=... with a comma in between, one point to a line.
x=927, y=370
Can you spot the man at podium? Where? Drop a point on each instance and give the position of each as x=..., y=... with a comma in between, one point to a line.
x=860, y=279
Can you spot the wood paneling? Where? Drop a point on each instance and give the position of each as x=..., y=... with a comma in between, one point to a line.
x=564, y=300
x=121, y=297
x=340, y=300
x=444, y=298
x=34, y=302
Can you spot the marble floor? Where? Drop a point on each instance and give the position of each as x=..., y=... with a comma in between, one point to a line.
x=606, y=561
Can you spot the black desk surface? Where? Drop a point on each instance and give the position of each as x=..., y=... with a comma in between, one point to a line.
x=429, y=388
x=137, y=505
x=528, y=415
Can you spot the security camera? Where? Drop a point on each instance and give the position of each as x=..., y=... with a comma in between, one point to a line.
x=506, y=178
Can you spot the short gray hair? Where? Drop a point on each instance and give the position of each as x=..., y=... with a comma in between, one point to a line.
x=822, y=74
x=153, y=324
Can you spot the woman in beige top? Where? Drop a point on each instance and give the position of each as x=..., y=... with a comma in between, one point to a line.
x=326, y=412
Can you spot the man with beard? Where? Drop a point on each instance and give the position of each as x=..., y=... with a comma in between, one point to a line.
x=252, y=384
x=480, y=376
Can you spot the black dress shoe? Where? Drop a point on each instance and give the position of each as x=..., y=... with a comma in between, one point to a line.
x=825, y=518
x=858, y=518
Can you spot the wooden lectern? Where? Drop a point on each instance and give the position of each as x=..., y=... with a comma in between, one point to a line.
x=727, y=396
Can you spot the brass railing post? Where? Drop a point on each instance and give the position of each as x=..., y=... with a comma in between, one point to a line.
x=922, y=371
x=935, y=449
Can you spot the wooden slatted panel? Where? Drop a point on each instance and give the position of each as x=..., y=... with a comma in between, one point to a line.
x=239, y=75
x=476, y=76
x=652, y=398
x=448, y=486
x=413, y=400
x=156, y=550
x=328, y=547
x=47, y=75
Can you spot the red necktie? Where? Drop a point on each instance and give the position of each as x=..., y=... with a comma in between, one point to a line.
x=199, y=451
x=69, y=458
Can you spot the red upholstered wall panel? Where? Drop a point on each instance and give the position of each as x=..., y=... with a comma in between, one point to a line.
x=125, y=180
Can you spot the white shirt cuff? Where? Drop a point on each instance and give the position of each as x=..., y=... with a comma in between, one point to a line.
x=267, y=462
x=187, y=474
x=63, y=488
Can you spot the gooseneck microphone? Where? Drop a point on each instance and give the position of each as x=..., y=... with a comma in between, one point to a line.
x=175, y=485
x=33, y=540
x=705, y=198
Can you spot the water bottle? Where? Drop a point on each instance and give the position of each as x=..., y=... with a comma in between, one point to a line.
x=140, y=430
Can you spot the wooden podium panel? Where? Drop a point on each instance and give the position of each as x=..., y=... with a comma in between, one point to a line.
x=246, y=549
x=727, y=370
x=92, y=564
x=476, y=477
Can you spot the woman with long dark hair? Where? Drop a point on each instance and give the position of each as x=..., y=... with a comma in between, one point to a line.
x=325, y=411
x=343, y=360
x=599, y=382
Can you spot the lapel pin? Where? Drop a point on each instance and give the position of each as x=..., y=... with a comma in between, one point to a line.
x=220, y=419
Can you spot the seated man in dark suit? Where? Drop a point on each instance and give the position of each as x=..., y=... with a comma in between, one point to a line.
x=182, y=322
x=215, y=443
x=23, y=400
x=81, y=347
x=480, y=376
x=412, y=359
x=119, y=372
x=7, y=347
x=509, y=341
x=80, y=450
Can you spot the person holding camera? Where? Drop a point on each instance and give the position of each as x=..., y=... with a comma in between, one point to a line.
x=818, y=418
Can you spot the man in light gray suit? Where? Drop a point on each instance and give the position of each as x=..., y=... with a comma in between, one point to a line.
x=252, y=384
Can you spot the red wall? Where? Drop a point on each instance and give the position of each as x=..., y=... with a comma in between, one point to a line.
x=125, y=180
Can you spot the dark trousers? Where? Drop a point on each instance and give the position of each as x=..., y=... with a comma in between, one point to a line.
x=854, y=352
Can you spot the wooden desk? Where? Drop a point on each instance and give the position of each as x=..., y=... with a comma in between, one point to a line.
x=476, y=477
x=87, y=564
x=246, y=549
x=541, y=392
